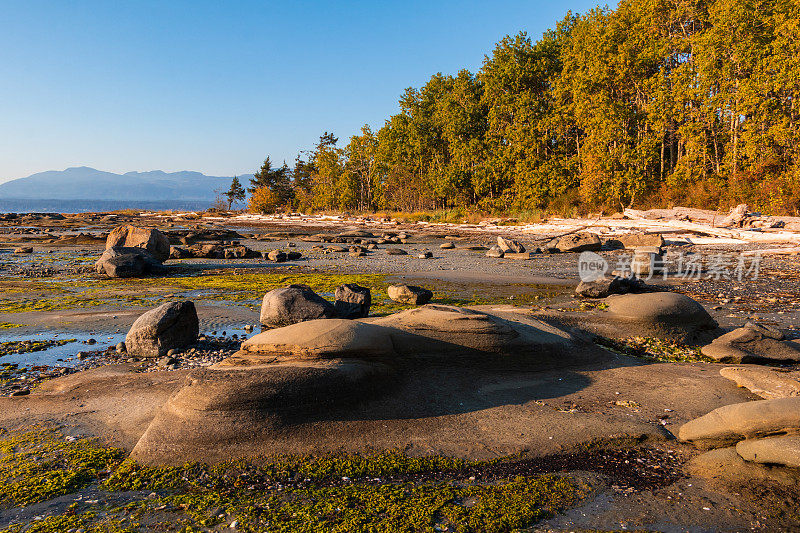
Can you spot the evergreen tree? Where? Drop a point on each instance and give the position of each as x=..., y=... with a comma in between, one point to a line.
x=236, y=193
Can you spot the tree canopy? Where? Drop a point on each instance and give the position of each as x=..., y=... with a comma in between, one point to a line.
x=655, y=102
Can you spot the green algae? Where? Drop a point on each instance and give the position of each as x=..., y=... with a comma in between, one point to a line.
x=388, y=491
x=40, y=464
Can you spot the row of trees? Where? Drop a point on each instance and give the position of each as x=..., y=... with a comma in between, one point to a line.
x=654, y=102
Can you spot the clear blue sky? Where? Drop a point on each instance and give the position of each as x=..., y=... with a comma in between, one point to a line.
x=216, y=86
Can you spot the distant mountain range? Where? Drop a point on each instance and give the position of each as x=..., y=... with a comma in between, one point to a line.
x=85, y=183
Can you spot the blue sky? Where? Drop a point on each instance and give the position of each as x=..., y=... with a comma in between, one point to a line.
x=217, y=86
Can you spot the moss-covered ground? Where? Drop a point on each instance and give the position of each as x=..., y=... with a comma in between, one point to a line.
x=389, y=492
x=234, y=286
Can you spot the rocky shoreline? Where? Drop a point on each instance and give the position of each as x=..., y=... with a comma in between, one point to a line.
x=506, y=360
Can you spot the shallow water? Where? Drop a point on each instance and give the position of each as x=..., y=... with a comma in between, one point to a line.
x=66, y=355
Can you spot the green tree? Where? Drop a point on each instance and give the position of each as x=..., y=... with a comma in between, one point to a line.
x=236, y=192
x=275, y=179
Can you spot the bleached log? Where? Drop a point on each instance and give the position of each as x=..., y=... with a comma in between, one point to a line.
x=749, y=236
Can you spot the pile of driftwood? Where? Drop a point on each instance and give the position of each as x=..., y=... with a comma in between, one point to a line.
x=739, y=224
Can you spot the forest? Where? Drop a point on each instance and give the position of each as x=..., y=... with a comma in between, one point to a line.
x=653, y=103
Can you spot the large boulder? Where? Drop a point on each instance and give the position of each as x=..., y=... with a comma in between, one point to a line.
x=409, y=294
x=173, y=325
x=666, y=314
x=510, y=245
x=123, y=266
x=124, y=262
x=352, y=301
x=577, y=242
x=152, y=240
x=292, y=304
x=769, y=383
x=733, y=423
x=752, y=343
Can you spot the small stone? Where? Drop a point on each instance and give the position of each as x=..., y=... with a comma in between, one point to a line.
x=447, y=246
x=425, y=255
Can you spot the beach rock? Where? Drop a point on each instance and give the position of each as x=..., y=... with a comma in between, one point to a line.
x=207, y=251
x=123, y=266
x=425, y=255
x=152, y=240
x=606, y=286
x=127, y=262
x=661, y=314
x=769, y=383
x=752, y=343
x=24, y=250
x=733, y=423
x=293, y=256
x=780, y=450
x=396, y=251
x=176, y=252
x=352, y=301
x=409, y=294
x=277, y=256
x=509, y=245
x=168, y=326
x=495, y=251
x=292, y=304
x=577, y=242
x=447, y=246
x=320, y=339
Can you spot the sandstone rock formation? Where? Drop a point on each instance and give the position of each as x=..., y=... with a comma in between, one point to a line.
x=752, y=343
x=769, y=383
x=319, y=370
